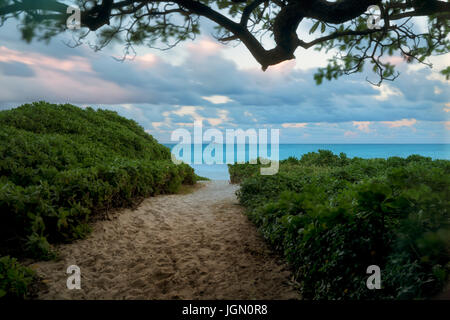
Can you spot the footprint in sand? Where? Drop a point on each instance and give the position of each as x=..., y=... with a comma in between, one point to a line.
x=192, y=246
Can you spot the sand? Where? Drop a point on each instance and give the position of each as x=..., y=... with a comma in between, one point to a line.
x=198, y=245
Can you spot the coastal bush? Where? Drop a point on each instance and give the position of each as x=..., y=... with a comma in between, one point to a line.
x=15, y=279
x=332, y=217
x=60, y=165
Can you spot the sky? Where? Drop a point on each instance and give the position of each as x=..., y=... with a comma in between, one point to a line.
x=224, y=87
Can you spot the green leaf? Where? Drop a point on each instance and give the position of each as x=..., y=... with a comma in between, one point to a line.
x=446, y=73
x=314, y=27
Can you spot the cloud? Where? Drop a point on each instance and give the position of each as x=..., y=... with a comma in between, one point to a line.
x=189, y=110
x=437, y=90
x=387, y=92
x=217, y=99
x=157, y=125
x=186, y=116
x=283, y=94
x=362, y=125
x=147, y=59
x=394, y=60
x=40, y=61
x=16, y=69
x=294, y=125
x=400, y=123
x=350, y=134
x=204, y=46
x=447, y=107
x=205, y=82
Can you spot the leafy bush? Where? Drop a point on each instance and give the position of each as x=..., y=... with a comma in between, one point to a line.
x=332, y=217
x=14, y=279
x=60, y=165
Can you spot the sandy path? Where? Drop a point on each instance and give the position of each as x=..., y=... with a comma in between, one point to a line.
x=194, y=246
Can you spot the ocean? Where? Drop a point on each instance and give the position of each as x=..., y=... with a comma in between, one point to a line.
x=220, y=171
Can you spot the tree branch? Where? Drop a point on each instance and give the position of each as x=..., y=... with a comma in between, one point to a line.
x=281, y=17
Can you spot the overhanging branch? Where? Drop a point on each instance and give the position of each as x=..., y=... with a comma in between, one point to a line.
x=281, y=19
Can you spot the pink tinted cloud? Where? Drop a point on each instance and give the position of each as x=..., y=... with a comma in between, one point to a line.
x=400, y=123
x=273, y=73
x=147, y=60
x=143, y=61
x=89, y=89
x=362, y=125
x=294, y=125
x=204, y=47
x=58, y=80
x=447, y=107
x=284, y=67
x=36, y=60
x=394, y=60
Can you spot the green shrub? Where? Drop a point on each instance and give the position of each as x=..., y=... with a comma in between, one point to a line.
x=60, y=165
x=38, y=247
x=15, y=279
x=333, y=216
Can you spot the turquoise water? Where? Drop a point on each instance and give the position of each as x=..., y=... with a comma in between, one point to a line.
x=220, y=171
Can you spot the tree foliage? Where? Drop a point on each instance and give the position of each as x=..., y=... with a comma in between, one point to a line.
x=339, y=26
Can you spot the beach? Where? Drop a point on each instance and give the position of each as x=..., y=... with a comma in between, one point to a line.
x=194, y=245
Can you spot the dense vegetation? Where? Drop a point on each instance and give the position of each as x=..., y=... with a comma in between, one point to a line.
x=15, y=279
x=60, y=165
x=332, y=217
